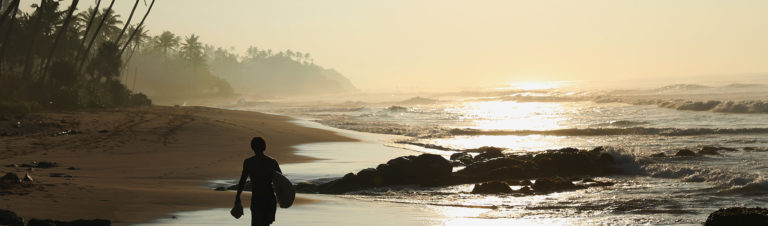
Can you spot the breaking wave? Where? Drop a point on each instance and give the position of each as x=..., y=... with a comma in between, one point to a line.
x=613, y=131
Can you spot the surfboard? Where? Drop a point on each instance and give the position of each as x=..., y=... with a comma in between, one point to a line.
x=284, y=190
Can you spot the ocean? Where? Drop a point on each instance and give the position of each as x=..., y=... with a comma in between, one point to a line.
x=632, y=125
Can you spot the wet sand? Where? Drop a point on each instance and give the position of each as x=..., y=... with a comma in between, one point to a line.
x=139, y=164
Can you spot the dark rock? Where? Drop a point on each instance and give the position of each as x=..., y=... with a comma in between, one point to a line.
x=459, y=155
x=306, y=187
x=73, y=168
x=46, y=164
x=10, y=179
x=431, y=167
x=494, y=187
x=708, y=152
x=80, y=222
x=525, y=190
x=489, y=153
x=571, y=162
x=59, y=175
x=660, y=154
x=463, y=157
x=103, y=131
x=499, y=169
x=685, y=153
x=39, y=222
x=717, y=148
x=366, y=177
x=738, y=216
x=551, y=184
x=606, y=159
x=10, y=218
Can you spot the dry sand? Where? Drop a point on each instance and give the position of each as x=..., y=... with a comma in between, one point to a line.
x=139, y=164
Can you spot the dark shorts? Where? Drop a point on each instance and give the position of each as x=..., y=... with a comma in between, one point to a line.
x=263, y=208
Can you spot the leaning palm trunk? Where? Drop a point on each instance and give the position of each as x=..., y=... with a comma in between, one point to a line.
x=136, y=30
x=127, y=22
x=61, y=33
x=8, y=33
x=95, y=35
x=28, y=59
x=88, y=29
x=8, y=10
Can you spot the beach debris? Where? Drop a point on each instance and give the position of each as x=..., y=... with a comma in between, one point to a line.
x=41, y=164
x=27, y=178
x=60, y=175
x=708, y=152
x=685, y=153
x=10, y=218
x=658, y=155
x=66, y=133
x=83, y=222
x=72, y=168
x=220, y=188
x=12, y=165
x=738, y=216
x=18, y=124
x=493, y=187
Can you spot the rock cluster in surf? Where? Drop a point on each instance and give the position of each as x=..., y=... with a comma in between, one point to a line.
x=551, y=167
x=738, y=216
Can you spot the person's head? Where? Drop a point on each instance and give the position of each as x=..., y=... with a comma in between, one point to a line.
x=258, y=145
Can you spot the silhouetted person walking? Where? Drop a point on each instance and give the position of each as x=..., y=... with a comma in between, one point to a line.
x=260, y=168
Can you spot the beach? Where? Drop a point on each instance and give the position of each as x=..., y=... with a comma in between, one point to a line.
x=133, y=165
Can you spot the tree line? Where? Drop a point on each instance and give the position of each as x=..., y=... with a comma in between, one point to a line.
x=57, y=58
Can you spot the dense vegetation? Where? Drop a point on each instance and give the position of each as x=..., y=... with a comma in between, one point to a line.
x=54, y=58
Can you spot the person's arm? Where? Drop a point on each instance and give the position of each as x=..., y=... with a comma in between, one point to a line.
x=241, y=184
x=277, y=167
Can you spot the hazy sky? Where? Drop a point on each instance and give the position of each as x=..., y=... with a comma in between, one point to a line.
x=429, y=44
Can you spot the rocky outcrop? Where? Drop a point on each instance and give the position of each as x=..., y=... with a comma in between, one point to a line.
x=738, y=216
x=552, y=184
x=425, y=170
x=434, y=170
x=493, y=187
x=685, y=153
x=10, y=218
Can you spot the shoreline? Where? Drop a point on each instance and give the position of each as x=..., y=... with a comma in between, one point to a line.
x=135, y=165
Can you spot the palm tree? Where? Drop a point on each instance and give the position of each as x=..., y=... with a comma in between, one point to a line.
x=61, y=33
x=95, y=34
x=138, y=39
x=192, y=50
x=141, y=24
x=127, y=22
x=166, y=41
